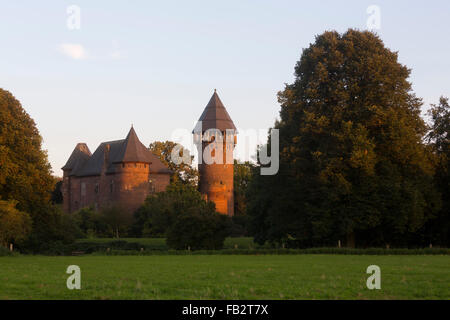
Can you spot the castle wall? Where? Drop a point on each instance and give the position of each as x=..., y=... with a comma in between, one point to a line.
x=127, y=188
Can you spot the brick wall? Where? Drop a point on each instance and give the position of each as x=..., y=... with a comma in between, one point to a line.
x=127, y=188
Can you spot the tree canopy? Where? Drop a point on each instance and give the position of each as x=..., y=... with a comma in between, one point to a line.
x=183, y=172
x=25, y=173
x=352, y=158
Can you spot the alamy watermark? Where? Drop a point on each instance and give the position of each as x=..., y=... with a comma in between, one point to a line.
x=374, y=20
x=214, y=146
x=74, y=280
x=374, y=281
x=74, y=17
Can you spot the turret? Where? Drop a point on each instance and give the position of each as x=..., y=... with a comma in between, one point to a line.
x=215, y=137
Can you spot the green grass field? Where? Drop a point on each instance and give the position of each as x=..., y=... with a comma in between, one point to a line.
x=225, y=277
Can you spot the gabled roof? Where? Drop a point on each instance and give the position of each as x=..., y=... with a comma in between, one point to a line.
x=129, y=149
x=215, y=116
x=80, y=155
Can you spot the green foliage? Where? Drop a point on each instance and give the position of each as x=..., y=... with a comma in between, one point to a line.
x=90, y=222
x=52, y=230
x=57, y=197
x=117, y=220
x=110, y=221
x=15, y=225
x=181, y=214
x=241, y=180
x=195, y=230
x=183, y=172
x=353, y=165
x=25, y=174
x=160, y=210
x=437, y=231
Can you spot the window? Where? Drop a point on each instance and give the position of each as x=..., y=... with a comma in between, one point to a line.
x=83, y=189
x=111, y=186
x=123, y=165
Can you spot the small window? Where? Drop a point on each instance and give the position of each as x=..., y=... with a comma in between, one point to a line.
x=123, y=165
x=96, y=188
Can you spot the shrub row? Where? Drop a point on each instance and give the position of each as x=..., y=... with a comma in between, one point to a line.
x=345, y=251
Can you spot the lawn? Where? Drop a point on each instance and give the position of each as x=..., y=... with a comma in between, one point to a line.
x=226, y=277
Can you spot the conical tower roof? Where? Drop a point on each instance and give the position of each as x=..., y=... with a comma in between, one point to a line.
x=80, y=155
x=133, y=150
x=215, y=116
x=129, y=149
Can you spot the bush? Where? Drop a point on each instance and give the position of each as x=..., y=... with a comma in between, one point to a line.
x=195, y=231
x=52, y=230
x=160, y=211
x=5, y=252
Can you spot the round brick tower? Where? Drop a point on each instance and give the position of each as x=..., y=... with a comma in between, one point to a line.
x=215, y=137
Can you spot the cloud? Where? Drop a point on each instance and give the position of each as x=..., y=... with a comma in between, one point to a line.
x=73, y=50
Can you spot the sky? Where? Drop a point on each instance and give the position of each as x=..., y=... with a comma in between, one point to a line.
x=155, y=64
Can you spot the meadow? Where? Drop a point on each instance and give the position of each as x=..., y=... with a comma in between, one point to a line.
x=226, y=277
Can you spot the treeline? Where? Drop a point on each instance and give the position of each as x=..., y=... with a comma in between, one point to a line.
x=358, y=164
x=359, y=167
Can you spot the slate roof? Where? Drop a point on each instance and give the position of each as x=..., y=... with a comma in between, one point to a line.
x=80, y=155
x=129, y=149
x=215, y=116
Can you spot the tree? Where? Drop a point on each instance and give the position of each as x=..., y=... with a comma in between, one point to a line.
x=195, y=230
x=353, y=165
x=91, y=223
x=15, y=225
x=161, y=210
x=57, y=197
x=25, y=173
x=242, y=177
x=25, y=176
x=439, y=140
x=116, y=219
x=243, y=173
x=182, y=172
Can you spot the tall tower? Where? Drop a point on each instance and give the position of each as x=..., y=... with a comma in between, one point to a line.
x=215, y=137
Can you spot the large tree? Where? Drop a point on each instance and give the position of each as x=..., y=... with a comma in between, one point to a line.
x=25, y=177
x=352, y=160
x=25, y=173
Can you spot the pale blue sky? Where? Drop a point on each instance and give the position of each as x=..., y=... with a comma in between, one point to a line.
x=155, y=64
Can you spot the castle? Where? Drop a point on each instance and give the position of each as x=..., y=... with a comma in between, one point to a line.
x=124, y=172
